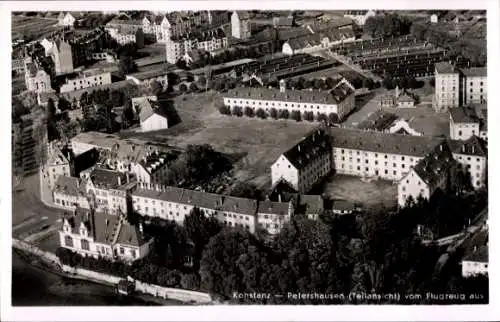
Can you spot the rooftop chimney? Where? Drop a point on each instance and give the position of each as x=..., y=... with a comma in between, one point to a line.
x=119, y=180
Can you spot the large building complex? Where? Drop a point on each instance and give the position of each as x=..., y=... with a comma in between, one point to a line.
x=475, y=85
x=339, y=101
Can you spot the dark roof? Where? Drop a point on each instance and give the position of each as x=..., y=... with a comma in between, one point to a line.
x=445, y=68
x=107, y=178
x=316, y=143
x=480, y=255
x=473, y=146
x=475, y=71
x=282, y=191
x=378, y=121
x=464, y=114
x=283, y=21
x=149, y=107
x=382, y=142
x=70, y=185
x=314, y=203
x=272, y=207
x=85, y=160
x=105, y=227
x=240, y=205
x=304, y=41
x=130, y=235
x=290, y=33
x=333, y=97
x=435, y=165
x=343, y=205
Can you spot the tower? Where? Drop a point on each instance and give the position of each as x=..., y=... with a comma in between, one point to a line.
x=282, y=86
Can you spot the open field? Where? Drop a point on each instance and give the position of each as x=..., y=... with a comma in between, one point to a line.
x=369, y=194
x=32, y=26
x=255, y=143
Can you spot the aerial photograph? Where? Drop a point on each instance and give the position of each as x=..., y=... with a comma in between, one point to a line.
x=259, y=157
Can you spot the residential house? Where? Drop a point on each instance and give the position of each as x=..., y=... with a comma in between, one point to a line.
x=88, y=78
x=447, y=83
x=472, y=156
x=475, y=85
x=240, y=25
x=464, y=123
x=359, y=16
x=90, y=233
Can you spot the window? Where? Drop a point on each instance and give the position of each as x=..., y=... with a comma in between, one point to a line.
x=85, y=244
x=132, y=252
x=366, y=161
x=122, y=251
x=68, y=241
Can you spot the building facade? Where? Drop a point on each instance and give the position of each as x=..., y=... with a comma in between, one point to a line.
x=62, y=56
x=339, y=101
x=305, y=164
x=464, y=123
x=88, y=79
x=475, y=85
x=36, y=79
x=101, y=235
x=240, y=25
x=447, y=87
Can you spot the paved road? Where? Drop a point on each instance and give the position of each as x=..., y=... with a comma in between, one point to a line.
x=29, y=214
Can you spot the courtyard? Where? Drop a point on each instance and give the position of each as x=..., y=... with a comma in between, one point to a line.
x=254, y=143
x=370, y=195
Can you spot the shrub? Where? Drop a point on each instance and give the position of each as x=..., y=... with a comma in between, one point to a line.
x=333, y=118
x=296, y=116
x=249, y=112
x=321, y=117
x=261, y=113
x=273, y=113
x=238, y=111
x=284, y=114
x=309, y=116
x=225, y=110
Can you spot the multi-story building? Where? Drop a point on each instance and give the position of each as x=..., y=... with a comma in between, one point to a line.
x=428, y=175
x=36, y=79
x=306, y=163
x=210, y=41
x=339, y=101
x=240, y=25
x=87, y=79
x=62, y=56
x=82, y=46
x=70, y=192
x=472, y=158
x=171, y=203
x=359, y=16
x=447, y=87
x=464, y=123
x=376, y=154
x=89, y=233
x=475, y=85
x=57, y=165
x=147, y=163
x=126, y=36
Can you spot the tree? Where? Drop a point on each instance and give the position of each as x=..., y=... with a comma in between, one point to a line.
x=202, y=82
x=321, y=117
x=309, y=116
x=333, y=118
x=273, y=113
x=156, y=87
x=249, y=111
x=190, y=281
x=199, y=229
x=183, y=88
x=193, y=87
x=128, y=114
x=238, y=111
x=63, y=104
x=319, y=83
x=388, y=82
x=261, y=113
x=432, y=82
x=296, y=116
x=284, y=114
x=50, y=111
x=244, y=189
x=368, y=83
x=127, y=66
x=225, y=110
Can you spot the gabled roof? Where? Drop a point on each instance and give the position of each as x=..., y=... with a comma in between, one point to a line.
x=464, y=114
x=473, y=146
x=332, y=97
x=272, y=207
x=480, y=255
x=149, y=108
x=445, y=68
x=475, y=72
x=130, y=235
x=282, y=191
x=239, y=205
x=389, y=143
x=378, y=121
x=314, y=204
x=70, y=186
x=435, y=165
x=315, y=144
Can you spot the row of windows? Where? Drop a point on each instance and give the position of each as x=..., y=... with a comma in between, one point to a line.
x=358, y=160
x=286, y=104
x=342, y=151
x=367, y=169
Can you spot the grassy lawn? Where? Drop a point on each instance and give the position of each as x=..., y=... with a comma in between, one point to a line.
x=32, y=25
x=255, y=143
x=369, y=194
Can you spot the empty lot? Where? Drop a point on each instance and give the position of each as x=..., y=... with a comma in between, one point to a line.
x=32, y=26
x=369, y=194
x=255, y=143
